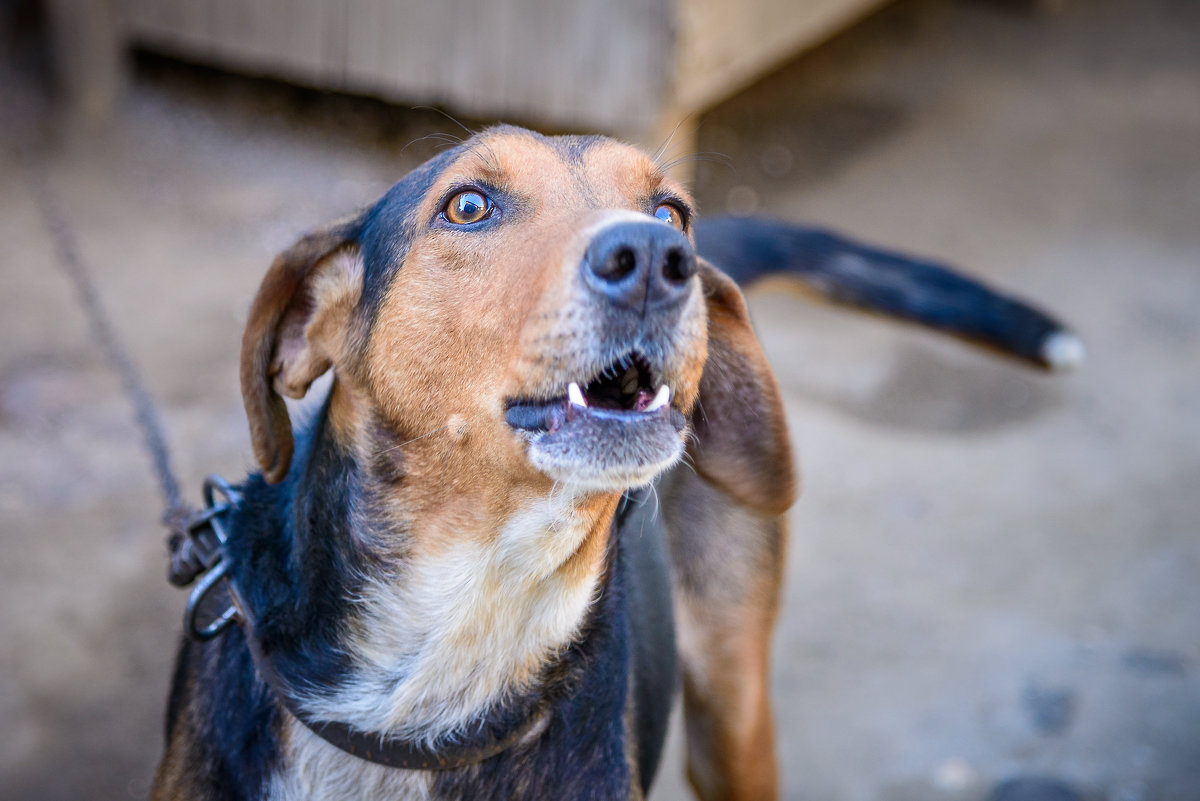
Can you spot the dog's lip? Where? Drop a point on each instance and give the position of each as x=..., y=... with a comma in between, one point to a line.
x=552, y=415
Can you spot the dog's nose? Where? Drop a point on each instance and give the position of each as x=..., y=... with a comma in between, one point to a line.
x=640, y=264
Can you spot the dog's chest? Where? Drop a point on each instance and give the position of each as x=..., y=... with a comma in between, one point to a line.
x=585, y=752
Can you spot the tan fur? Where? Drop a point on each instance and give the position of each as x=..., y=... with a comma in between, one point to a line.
x=175, y=775
x=727, y=565
x=741, y=440
x=270, y=428
x=178, y=775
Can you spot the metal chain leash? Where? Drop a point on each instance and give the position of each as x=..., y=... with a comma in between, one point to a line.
x=197, y=536
x=114, y=350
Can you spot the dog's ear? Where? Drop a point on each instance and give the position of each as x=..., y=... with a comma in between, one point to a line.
x=741, y=440
x=297, y=329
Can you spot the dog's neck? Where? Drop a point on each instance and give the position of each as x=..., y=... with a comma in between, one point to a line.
x=447, y=604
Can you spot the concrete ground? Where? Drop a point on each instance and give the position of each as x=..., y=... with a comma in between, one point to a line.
x=993, y=573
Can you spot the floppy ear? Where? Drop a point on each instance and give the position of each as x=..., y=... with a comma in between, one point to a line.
x=297, y=329
x=741, y=440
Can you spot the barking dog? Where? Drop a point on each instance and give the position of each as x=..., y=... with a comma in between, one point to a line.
x=547, y=481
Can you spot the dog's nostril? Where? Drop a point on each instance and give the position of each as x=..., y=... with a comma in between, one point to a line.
x=625, y=262
x=676, y=267
x=621, y=264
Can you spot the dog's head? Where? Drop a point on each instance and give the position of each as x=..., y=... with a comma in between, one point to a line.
x=521, y=309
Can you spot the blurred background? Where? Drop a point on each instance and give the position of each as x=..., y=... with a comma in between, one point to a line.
x=993, y=582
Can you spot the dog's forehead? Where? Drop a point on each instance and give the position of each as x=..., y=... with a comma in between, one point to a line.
x=594, y=170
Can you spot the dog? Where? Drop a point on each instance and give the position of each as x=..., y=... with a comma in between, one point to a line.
x=546, y=487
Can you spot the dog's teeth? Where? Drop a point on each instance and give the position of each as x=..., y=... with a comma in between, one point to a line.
x=575, y=394
x=660, y=399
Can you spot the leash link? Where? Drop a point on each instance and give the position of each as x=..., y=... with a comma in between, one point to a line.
x=197, y=546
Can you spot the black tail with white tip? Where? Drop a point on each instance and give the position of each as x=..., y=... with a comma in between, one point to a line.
x=888, y=283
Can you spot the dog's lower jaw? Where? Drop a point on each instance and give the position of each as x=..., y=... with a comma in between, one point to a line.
x=473, y=621
x=621, y=467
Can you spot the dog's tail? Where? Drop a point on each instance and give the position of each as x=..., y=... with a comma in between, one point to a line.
x=892, y=284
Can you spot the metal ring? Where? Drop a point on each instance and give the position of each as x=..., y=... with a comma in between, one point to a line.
x=196, y=599
x=214, y=484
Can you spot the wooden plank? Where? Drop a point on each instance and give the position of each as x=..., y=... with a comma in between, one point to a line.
x=363, y=39
x=724, y=46
x=413, y=49
x=191, y=25
x=333, y=41
x=300, y=43
x=631, y=66
x=231, y=32
x=144, y=18
x=594, y=65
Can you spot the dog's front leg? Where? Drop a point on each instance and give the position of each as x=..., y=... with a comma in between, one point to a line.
x=727, y=565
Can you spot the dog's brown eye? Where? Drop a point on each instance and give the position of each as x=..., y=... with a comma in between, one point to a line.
x=670, y=214
x=467, y=207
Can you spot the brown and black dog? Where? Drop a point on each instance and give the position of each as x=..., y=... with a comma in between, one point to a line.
x=453, y=580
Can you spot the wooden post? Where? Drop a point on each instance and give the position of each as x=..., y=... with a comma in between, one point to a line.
x=87, y=55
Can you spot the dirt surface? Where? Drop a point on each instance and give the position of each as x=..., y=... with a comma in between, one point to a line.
x=993, y=573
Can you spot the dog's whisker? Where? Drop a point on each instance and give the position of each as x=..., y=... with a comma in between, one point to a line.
x=658, y=154
x=657, y=500
x=448, y=116
x=411, y=441
x=446, y=139
x=490, y=158
x=700, y=410
x=707, y=157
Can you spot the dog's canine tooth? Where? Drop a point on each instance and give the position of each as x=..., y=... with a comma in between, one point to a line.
x=660, y=399
x=575, y=394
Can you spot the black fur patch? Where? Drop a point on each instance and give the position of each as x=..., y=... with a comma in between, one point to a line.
x=294, y=558
x=391, y=226
x=879, y=280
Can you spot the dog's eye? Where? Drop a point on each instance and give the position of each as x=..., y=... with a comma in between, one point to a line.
x=467, y=207
x=670, y=214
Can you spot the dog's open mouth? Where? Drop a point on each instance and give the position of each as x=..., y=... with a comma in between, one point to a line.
x=624, y=392
x=614, y=431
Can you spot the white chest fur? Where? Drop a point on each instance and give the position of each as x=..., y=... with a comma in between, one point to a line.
x=463, y=626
